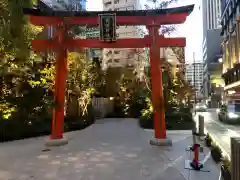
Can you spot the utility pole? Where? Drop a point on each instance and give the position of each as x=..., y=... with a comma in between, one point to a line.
x=194, y=78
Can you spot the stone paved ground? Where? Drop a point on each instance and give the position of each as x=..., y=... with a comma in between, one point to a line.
x=108, y=150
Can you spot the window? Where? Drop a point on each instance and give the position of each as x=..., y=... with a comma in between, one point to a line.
x=107, y=3
x=116, y=52
x=116, y=9
x=116, y=1
x=116, y=60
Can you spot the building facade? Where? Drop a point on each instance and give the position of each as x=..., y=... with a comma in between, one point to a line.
x=67, y=5
x=123, y=57
x=211, y=46
x=194, y=75
x=231, y=50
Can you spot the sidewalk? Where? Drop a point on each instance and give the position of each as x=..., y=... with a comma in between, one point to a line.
x=111, y=149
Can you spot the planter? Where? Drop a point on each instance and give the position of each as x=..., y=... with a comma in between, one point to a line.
x=225, y=172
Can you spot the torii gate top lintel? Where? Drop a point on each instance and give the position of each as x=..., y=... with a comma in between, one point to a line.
x=166, y=16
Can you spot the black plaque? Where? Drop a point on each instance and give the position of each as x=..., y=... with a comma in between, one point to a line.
x=107, y=23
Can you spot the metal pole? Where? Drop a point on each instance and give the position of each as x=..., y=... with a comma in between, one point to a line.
x=194, y=79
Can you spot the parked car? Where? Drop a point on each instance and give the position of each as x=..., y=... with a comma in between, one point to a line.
x=201, y=107
x=229, y=112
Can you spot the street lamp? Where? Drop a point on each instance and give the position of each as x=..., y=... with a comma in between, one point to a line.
x=220, y=60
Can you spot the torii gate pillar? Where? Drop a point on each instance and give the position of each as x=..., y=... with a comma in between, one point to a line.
x=160, y=138
x=57, y=138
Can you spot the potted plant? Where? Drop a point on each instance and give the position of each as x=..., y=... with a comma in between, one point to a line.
x=208, y=140
x=225, y=169
x=216, y=153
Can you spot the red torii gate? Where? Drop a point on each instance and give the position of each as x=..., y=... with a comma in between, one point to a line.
x=152, y=19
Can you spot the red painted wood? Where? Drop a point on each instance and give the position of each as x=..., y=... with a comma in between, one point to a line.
x=157, y=88
x=41, y=45
x=59, y=93
x=121, y=20
x=44, y=45
x=120, y=43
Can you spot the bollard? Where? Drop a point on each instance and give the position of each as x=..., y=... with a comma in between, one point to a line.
x=195, y=162
x=201, y=127
x=235, y=158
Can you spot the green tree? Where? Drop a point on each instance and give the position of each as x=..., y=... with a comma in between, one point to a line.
x=17, y=60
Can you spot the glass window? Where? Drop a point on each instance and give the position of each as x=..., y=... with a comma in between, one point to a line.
x=107, y=3
x=116, y=52
x=116, y=60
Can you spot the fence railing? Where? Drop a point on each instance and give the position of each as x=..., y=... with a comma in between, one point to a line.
x=103, y=105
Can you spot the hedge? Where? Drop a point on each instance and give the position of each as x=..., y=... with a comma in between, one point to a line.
x=174, y=121
x=15, y=129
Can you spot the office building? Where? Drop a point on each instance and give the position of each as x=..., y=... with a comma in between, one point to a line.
x=68, y=5
x=194, y=75
x=123, y=57
x=211, y=47
x=231, y=50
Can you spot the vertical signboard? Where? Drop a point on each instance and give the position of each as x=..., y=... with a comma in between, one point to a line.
x=107, y=23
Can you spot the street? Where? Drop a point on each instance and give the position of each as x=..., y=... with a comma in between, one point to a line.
x=221, y=133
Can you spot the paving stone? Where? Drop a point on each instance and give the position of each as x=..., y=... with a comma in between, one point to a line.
x=111, y=149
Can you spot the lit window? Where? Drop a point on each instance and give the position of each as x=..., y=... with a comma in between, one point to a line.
x=116, y=52
x=107, y=3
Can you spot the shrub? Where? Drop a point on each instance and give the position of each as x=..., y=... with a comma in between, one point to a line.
x=208, y=140
x=146, y=122
x=216, y=153
x=16, y=128
x=225, y=169
x=224, y=108
x=226, y=163
x=175, y=120
x=179, y=121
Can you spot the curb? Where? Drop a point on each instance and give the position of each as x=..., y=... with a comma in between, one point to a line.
x=224, y=152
